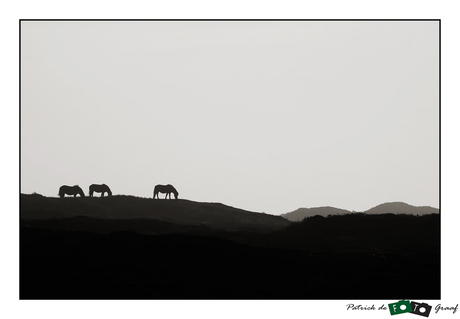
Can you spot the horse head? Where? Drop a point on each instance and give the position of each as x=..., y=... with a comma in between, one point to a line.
x=79, y=191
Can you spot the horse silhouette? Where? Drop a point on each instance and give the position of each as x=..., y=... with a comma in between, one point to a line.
x=165, y=189
x=99, y=189
x=70, y=190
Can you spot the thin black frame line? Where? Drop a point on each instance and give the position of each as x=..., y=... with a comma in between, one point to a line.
x=439, y=162
x=20, y=156
x=237, y=20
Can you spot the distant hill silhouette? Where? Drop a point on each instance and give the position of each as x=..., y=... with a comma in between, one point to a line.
x=169, y=212
x=402, y=208
x=301, y=213
x=386, y=208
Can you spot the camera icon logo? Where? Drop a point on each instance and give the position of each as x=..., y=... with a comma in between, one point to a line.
x=406, y=306
x=399, y=307
x=421, y=309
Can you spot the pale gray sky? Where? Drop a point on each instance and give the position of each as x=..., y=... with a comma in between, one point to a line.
x=264, y=116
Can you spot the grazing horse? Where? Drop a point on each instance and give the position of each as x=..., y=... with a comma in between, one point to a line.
x=168, y=189
x=99, y=189
x=70, y=190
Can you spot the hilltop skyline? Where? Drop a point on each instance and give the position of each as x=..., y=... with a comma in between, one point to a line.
x=263, y=116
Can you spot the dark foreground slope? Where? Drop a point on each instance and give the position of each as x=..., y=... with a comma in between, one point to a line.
x=343, y=257
x=126, y=265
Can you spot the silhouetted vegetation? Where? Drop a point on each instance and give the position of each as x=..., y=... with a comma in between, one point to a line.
x=361, y=232
x=93, y=256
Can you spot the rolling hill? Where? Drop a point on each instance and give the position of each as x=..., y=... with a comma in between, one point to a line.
x=123, y=209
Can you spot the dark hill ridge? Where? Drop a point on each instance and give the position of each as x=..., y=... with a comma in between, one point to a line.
x=179, y=212
x=386, y=208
